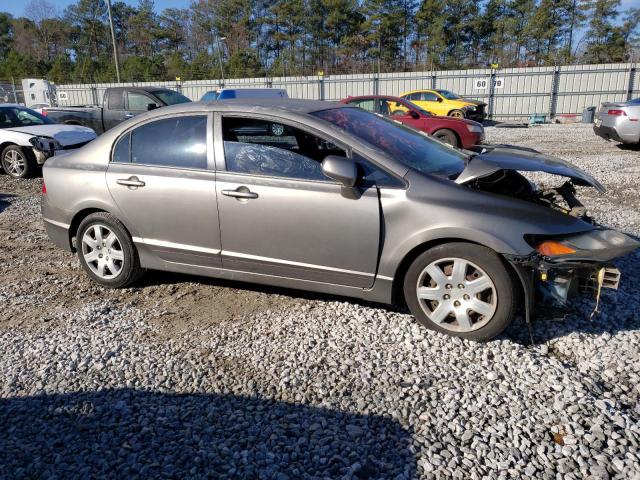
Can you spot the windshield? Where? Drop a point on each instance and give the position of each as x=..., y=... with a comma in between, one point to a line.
x=169, y=97
x=11, y=117
x=448, y=95
x=406, y=145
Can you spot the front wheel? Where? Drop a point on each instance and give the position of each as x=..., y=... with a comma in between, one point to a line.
x=106, y=251
x=461, y=289
x=18, y=162
x=447, y=136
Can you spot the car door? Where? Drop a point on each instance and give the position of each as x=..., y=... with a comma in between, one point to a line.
x=279, y=214
x=113, y=108
x=162, y=179
x=429, y=101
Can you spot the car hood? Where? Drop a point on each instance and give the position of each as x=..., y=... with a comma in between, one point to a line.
x=65, y=134
x=475, y=102
x=507, y=157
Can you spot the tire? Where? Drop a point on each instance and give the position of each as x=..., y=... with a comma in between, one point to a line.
x=119, y=270
x=447, y=136
x=442, y=306
x=18, y=162
x=456, y=113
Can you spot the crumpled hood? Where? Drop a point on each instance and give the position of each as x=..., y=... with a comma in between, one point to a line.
x=508, y=157
x=475, y=102
x=65, y=134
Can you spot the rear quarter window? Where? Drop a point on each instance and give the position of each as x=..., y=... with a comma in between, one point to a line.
x=115, y=100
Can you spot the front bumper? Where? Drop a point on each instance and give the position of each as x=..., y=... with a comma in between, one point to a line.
x=475, y=116
x=563, y=277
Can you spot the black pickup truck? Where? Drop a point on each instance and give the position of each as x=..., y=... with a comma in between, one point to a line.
x=119, y=104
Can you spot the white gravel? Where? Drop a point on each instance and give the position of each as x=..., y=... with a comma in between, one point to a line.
x=327, y=388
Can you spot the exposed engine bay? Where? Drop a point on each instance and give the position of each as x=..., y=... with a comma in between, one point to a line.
x=514, y=184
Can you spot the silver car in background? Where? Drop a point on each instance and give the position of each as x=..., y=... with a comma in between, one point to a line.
x=330, y=198
x=619, y=121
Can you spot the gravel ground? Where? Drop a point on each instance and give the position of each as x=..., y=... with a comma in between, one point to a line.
x=184, y=377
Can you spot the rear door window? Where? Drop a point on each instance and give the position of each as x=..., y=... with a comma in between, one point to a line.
x=428, y=97
x=171, y=142
x=369, y=104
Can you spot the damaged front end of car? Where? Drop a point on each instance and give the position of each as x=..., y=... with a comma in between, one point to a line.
x=559, y=267
x=44, y=147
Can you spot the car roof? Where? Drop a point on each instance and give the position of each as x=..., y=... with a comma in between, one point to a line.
x=418, y=91
x=252, y=104
x=380, y=97
x=149, y=88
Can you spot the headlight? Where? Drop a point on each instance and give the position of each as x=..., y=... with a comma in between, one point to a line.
x=45, y=144
x=553, y=248
x=475, y=128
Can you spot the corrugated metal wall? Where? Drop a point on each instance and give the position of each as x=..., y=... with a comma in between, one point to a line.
x=512, y=93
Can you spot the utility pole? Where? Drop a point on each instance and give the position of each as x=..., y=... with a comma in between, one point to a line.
x=218, y=40
x=113, y=39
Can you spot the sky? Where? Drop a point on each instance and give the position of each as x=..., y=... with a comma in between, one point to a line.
x=17, y=7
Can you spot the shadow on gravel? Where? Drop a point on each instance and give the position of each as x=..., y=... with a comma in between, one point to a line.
x=129, y=433
x=4, y=201
x=157, y=277
x=633, y=147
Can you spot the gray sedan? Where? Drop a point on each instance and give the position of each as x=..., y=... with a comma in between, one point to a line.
x=329, y=198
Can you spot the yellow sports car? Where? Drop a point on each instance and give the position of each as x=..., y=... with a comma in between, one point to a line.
x=446, y=103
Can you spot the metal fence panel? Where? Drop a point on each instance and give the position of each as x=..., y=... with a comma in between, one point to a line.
x=513, y=93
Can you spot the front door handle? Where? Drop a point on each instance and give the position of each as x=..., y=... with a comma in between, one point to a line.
x=242, y=193
x=129, y=115
x=131, y=182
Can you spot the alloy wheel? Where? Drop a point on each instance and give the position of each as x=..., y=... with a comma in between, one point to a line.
x=102, y=251
x=14, y=163
x=456, y=294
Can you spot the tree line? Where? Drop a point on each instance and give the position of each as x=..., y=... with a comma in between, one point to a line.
x=254, y=38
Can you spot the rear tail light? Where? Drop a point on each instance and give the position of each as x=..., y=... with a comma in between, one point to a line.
x=617, y=113
x=551, y=248
x=44, y=112
x=44, y=188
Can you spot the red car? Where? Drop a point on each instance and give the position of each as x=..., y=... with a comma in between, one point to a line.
x=459, y=132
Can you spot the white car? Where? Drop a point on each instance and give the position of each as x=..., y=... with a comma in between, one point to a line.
x=27, y=139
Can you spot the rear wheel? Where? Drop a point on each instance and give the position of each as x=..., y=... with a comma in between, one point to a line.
x=461, y=289
x=456, y=113
x=106, y=251
x=447, y=136
x=18, y=162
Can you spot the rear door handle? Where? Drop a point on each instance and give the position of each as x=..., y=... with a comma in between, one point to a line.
x=130, y=182
x=129, y=115
x=241, y=192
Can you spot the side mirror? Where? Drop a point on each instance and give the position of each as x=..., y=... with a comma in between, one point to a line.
x=413, y=114
x=151, y=106
x=438, y=99
x=340, y=169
